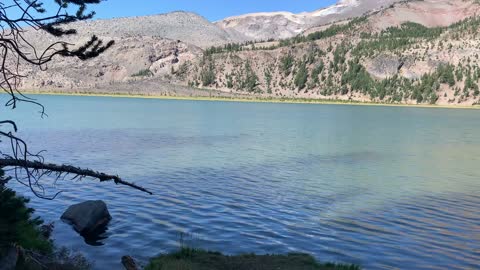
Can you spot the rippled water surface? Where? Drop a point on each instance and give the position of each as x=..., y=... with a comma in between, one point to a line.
x=384, y=187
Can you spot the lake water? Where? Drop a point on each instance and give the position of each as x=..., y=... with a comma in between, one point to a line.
x=384, y=187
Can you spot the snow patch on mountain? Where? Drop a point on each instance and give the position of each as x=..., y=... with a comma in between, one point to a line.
x=335, y=9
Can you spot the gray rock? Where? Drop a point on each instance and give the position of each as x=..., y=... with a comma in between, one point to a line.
x=88, y=217
x=385, y=66
x=129, y=263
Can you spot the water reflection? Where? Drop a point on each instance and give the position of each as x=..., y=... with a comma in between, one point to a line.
x=96, y=239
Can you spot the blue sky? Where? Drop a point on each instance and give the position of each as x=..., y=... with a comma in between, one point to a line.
x=211, y=9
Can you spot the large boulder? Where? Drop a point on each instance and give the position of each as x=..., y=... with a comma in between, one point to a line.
x=88, y=218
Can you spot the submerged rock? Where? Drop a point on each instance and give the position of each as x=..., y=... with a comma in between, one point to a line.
x=88, y=218
x=129, y=263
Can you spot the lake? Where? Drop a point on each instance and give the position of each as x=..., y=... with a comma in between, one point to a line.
x=384, y=187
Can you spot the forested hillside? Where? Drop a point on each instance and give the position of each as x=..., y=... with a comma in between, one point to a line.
x=409, y=63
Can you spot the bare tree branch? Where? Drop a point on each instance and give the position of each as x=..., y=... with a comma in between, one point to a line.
x=67, y=169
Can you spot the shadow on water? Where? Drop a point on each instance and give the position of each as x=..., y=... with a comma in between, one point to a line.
x=97, y=238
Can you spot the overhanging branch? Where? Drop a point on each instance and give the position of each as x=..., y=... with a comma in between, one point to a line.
x=67, y=169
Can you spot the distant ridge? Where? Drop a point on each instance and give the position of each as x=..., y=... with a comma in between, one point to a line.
x=267, y=25
x=179, y=25
x=362, y=50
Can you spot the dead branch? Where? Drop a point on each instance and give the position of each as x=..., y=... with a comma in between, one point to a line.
x=67, y=169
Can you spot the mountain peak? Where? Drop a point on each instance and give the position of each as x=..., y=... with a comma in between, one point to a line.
x=256, y=26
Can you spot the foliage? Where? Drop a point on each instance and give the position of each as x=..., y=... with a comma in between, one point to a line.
x=250, y=80
x=286, y=64
x=182, y=70
x=17, y=225
x=268, y=79
x=316, y=73
x=229, y=79
x=195, y=259
x=143, y=73
x=301, y=77
x=230, y=47
x=18, y=228
x=413, y=30
x=340, y=69
x=207, y=74
x=470, y=84
x=331, y=31
x=339, y=56
x=446, y=74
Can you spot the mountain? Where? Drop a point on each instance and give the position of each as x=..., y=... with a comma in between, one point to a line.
x=408, y=52
x=188, y=27
x=142, y=43
x=364, y=50
x=263, y=26
x=185, y=26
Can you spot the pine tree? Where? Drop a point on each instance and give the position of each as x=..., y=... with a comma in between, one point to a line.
x=301, y=77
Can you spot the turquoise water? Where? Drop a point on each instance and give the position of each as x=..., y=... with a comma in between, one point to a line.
x=384, y=187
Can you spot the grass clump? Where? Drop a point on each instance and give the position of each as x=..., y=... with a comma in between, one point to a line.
x=197, y=259
x=143, y=73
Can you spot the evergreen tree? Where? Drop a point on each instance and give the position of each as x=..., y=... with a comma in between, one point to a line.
x=286, y=64
x=301, y=77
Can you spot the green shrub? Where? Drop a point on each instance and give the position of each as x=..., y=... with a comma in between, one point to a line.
x=143, y=73
x=250, y=80
x=195, y=259
x=207, y=74
x=286, y=64
x=17, y=225
x=301, y=77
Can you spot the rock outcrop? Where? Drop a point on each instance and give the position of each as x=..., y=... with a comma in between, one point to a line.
x=87, y=218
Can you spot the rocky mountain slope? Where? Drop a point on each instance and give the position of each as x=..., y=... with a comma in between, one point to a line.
x=185, y=26
x=404, y=52
x=148, y=44
x=410, y=52
x=274, y=25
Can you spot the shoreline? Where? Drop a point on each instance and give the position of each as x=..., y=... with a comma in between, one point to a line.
x=255, y=100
